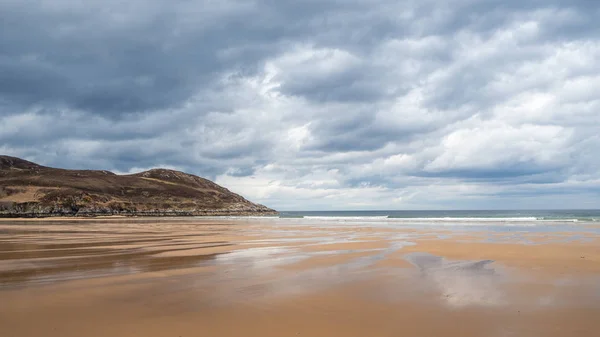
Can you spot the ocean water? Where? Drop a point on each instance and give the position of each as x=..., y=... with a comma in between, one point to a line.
x=455, y=215
x=574, y=221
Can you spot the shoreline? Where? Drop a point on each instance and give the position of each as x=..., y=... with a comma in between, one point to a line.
x=571, y=251
x=157, y=214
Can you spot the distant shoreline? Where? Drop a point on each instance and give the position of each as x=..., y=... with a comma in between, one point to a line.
x=157, y=214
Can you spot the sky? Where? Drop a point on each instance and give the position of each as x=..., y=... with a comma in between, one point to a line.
x=315, y=104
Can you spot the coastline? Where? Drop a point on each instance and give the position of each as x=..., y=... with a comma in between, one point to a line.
x=156, y=214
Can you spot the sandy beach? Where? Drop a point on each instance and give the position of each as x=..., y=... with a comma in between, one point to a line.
x=190, y=277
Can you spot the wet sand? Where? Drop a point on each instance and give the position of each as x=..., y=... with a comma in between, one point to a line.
x=175, y=277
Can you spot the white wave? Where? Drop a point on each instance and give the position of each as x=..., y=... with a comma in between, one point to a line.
x=437, y=219
x=389, y=220
x=334, y=218
x=562, y=220
x=466, y=219
x=442, y=219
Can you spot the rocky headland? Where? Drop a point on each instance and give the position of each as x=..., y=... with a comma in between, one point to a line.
x=31, y=190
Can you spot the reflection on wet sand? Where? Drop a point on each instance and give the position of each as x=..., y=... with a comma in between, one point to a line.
x=31, y=259
x=460, y=283
x=186, y=278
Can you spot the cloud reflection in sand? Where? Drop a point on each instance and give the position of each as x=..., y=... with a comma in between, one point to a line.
x=461, y=283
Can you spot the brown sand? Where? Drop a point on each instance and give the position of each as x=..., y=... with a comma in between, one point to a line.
x=172, y=277
x=557, y=257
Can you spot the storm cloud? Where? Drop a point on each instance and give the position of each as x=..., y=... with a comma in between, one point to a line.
x=316, y=104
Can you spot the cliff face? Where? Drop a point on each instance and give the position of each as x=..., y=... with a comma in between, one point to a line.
x=28, y=189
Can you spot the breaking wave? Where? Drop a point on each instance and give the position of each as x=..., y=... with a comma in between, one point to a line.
x=394, y=219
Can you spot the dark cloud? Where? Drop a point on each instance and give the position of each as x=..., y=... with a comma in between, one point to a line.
x=526, y=172
x=86, y=61
x=347, y=87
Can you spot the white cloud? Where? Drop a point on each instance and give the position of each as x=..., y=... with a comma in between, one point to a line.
x=498, y=146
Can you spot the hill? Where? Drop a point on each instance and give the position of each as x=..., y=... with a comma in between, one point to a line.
x=28, y=190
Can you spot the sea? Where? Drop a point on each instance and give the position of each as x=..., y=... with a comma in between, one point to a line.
x=493, y=220
x=453, y=215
